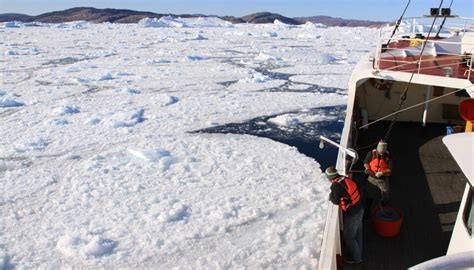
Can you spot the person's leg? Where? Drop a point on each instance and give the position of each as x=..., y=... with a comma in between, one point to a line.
x=385, y=188
x=351, y=225
x=375, y=192
x=358, y=253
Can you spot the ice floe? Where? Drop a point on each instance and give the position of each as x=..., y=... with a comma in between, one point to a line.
x=118, y=118
x=311, y=25
x=9, y=102
x=34, y=144
x=65, y=110
x=166, y=21
x=85, y=248
x=295, y=119
x=108, y=174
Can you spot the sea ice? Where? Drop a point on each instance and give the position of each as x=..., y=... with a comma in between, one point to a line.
x=109, y=174
x=59, y=122
x=256, y=78
x=119, y=118
x=92, y=246
x=295, y=119
x=35, y=144
x=13, y=24
x=310, y=25
x=205, y=22
x=166, y=21
x=10, y=53
x=152, y=156
x=8, y=102
x=106, y=77
x=74, y=25
x=128, y=90
x=278, y=22
x=200, y=37
x=65, y=110
x=270, y=34
x=3, y=259
x=266, y=57
x=192, y=58
x=157, y=61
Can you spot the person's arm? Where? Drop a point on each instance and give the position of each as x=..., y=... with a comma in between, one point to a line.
x=367, y=160
x=337, y=192
x=388, y=171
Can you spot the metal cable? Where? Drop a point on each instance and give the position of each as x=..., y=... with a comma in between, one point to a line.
x=416, y=105
x=444, y=20
x=403, y=97
x=398, y=23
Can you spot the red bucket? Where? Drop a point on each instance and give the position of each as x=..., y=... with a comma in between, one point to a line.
x=387, y=221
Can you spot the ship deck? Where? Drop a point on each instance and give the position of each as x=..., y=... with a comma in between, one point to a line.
x=426, y=184
x=429, y=64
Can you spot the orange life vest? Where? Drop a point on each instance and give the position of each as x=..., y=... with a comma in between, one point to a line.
x=378, y=165
x=353, y=195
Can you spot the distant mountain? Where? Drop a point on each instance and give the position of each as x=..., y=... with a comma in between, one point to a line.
x=93, y=15
x=331, y=21
x=267, y=17
x=8, y=17
x=131, y=16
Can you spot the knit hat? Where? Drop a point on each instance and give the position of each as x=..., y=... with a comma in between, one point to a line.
x=331, y=173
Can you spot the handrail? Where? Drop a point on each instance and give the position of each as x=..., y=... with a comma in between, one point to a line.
x=451, y=50
x=463, y=23
x=331, y=242
x=452, y=18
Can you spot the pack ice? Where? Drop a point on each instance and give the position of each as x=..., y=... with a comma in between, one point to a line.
x=98, y=167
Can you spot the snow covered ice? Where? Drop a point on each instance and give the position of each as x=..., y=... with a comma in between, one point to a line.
x=99, y=169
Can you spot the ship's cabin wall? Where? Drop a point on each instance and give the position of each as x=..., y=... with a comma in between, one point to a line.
x=379, y=103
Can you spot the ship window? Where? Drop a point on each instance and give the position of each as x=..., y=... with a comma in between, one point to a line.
x=468, y=215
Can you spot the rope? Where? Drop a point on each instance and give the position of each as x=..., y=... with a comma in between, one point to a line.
x=444, y=20
x=414, y=106
x=368, y=146
x=403, y=97
x=398, y=23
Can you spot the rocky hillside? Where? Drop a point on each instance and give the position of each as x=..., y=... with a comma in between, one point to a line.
x=91, y=15
x=8, y=17
x=267, y=17
x=130, y=16
x=331, y=21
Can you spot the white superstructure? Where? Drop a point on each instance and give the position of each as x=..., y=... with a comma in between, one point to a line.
x=400, y=66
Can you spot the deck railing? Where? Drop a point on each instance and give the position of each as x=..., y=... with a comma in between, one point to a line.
x=454, y=43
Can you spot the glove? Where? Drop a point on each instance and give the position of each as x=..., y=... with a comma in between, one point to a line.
x=378, y=174
x=367, y=171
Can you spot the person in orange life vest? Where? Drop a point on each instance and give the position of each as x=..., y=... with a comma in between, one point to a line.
x=378, y=167
x=345, y=193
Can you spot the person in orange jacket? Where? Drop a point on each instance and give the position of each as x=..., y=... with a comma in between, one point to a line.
x=345, y=193
x=378, y=167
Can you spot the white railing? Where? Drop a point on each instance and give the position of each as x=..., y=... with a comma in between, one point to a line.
x=455, y=42
x=331, y=245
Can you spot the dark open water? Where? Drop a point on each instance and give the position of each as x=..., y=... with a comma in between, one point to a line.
x=303, y=136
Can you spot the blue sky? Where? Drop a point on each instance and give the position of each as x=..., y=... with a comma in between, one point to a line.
x=386, y=10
